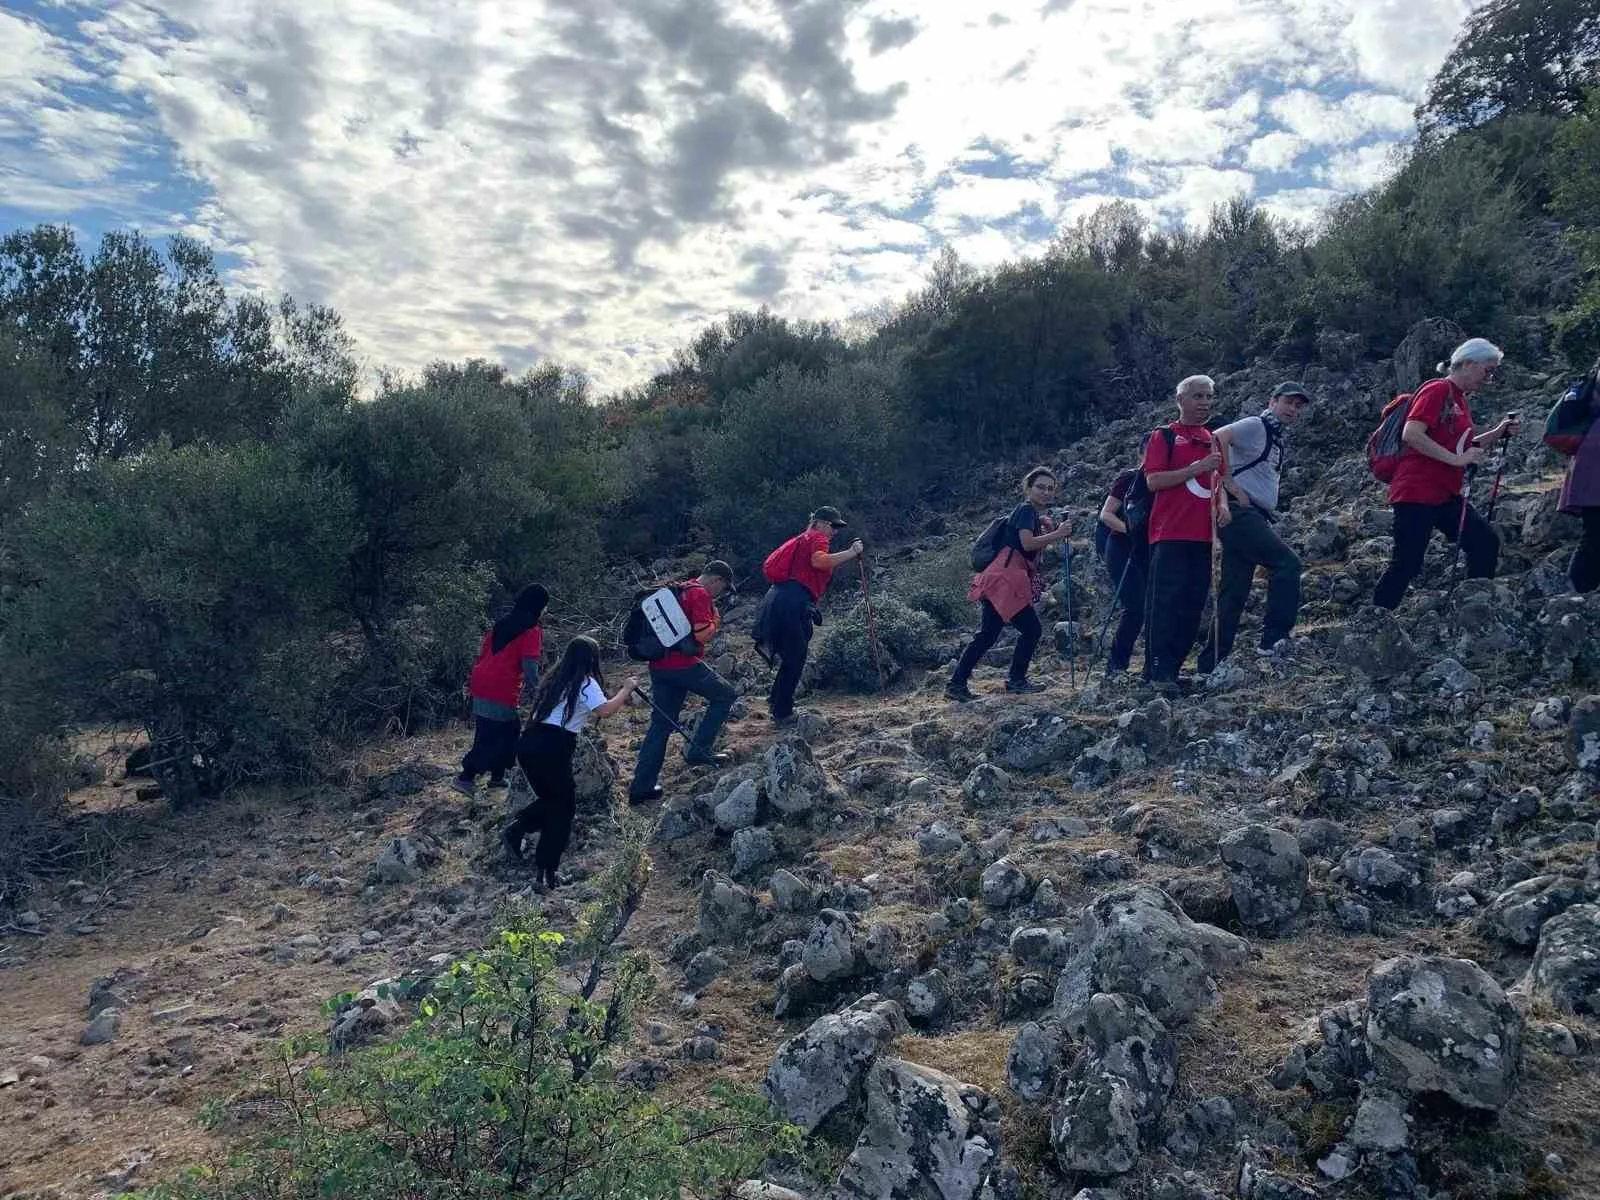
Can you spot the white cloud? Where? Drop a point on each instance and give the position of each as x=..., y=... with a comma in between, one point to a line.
x=593, y=179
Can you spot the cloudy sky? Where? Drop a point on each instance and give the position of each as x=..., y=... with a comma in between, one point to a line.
x=595, y=179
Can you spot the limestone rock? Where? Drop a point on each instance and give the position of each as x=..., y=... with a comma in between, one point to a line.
x=928, y=997
x=1566, y=966
x=793, y=782
x=986, y=786
x=753, y=848
x=830, y=952
x=1002, y=884
x=1103, y=1110
x=1267, y=875
x=739, y=809
x=1583, y=735
x=1517, y=914
x=1034, y=1061
x=727, y=911
x=816, y=1071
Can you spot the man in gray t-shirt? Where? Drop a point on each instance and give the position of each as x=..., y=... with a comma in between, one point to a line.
x=1255, y=450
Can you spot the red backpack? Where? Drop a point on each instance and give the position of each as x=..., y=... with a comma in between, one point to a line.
x=779, y=567
x=1384, y=447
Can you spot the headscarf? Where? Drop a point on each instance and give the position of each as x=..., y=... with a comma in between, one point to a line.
x=524, y=615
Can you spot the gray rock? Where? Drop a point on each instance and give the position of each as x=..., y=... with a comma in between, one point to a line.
x=790, y=893
x=1034, y=1061
x=1137, y=940
x=102, y=1028
x=400, y=861
x=1039, y=946
x=923, y=1138
x=1003, y=884
x=739, y=810
x=365, y=1016
x=1447, y=677
x=938, y=840
x=1566, y=966
x=757, y=1189
x=1200, y=1126
x=1267, y=874
x=1353, y=917
x=1047, y=740
x=1116, y=1091
x=796, y=992
x=1518, y=808
x=793, y=782
x=1374, y=644
x=830, y=953
x=986, y=786
x=1583, y=735
x=727, y=911
x=1047, y=901
x=703, y=968
x=928, y=997
x=1517, y=914
x=879, y=950
x=815, y=1072
x=1381, y=872
x=1380, y=1122
x=1443, y=1025
x=1549, y=714
x=593, y=772
x=753, y=848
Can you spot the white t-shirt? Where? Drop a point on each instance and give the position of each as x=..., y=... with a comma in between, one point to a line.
x=589, y=699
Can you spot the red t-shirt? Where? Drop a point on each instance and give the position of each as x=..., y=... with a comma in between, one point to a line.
x=702, y=613
x=1419, y=479
x=795, y=560
x=1182, y=513
x=498, y=677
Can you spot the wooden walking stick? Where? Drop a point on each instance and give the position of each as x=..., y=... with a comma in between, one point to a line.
x=872, y=624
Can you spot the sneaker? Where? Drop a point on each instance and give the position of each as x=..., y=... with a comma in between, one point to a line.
x=959, y=692
x=1022, y=687
x=465, y=784
x=718, y=759
x=648, y=797
x=513, y=844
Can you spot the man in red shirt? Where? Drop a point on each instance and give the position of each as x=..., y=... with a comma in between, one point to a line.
x=679, y=674
x=1181, y=468
x=1425, y=493
x=799, y=571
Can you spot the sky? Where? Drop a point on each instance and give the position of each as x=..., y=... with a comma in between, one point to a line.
x=592, y=181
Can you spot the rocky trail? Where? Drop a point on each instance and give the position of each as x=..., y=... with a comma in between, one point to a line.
x=1329, y=926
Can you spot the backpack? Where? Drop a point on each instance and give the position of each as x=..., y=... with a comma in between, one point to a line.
x=1384, y=446
x=779, y=565
x=1274, y=438
x=990, y=542
x=1571, y=417
x=656, y=625
x=1140, y=501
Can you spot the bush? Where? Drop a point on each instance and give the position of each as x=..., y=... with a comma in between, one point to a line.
x=506, y=1084
x=842, y=657
x=938, y=583
x=189, y=592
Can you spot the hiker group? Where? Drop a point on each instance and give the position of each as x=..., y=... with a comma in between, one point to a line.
x=1195, y=516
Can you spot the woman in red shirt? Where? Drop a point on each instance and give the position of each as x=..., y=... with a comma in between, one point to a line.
x=1440, y=444
x=507, y=662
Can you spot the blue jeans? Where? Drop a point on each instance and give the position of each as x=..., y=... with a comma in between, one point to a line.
x=668, y=691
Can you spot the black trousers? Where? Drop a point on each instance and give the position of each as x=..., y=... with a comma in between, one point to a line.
x=1414, y=525
x=1127, y=564
x=789, y=634
x=545, y=755
x=1584, y=569
x=1026, y=623
x=1180, y=581
x=494, y=748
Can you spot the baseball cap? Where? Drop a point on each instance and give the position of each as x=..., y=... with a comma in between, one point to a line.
x=1291, y=389
x=722, y=571
x=830, y=514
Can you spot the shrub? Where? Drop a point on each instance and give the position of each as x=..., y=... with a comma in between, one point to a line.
x=506, y=1084
x=938, y=583
x=842, y=657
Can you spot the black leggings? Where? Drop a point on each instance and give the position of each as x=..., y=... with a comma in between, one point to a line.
x=545, y=755
x=1414, y=525
x=1584, y=569
x=1026, y=623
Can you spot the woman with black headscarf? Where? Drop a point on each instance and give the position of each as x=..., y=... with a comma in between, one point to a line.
x=507, y=662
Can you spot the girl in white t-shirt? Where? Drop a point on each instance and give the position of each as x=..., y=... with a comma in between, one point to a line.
x=574, y=692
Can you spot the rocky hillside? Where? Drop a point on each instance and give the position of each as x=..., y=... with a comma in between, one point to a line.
x=1330, y=926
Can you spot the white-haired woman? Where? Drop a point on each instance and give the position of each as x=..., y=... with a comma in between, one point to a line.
x=1440, y=444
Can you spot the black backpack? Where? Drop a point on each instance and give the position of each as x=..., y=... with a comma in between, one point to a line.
x=990, y=542
x=640, y=640
x=1140, y=501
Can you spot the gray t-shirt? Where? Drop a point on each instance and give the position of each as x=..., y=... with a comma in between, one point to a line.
x=1247, y=439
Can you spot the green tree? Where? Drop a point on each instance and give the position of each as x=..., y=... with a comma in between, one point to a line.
x=1577, y=201
x=1512, y=56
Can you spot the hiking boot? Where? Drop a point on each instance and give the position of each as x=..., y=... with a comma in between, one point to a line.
x=959, y=692
x=465, y=784
x=513, y=844
x=717, y=759
x=648, y=797
x=1022, y=687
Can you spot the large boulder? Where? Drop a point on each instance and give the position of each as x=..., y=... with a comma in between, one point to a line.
x=815, y=1072
x=1137, y=940
x=727, y=911
x=830, y=950
x=1518, y=914
x=924, y=1137
x=1113, y=1098
x=594, y=773
x=1267, y=875
x=793, y=782
x=1034, y=1061
x=1375, y=644
x=1442, y=1025
x=1566, y=966
x=1425, y=344
x=1038, y=742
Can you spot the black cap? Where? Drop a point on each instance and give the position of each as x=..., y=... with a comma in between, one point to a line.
x=1291, y=389
x=723, y=572
x=830, y=514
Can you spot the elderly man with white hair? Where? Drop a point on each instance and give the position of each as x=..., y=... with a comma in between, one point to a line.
x=1440, y=443
x=1182, y=465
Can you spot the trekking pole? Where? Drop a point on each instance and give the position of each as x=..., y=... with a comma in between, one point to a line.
x=872, y=624
x=1216, y=582
x=1461, y=525
x=1072, y=628
x=1499, y=471
x=661, y=712
x=1111, y=611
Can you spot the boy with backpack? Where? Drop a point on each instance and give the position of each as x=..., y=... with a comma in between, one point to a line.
x=680, y=673
x=1181, y=468
x=799, y=571
x=1120, y=538
x=1254, y=447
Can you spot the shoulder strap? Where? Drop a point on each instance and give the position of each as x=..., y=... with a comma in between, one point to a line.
x=1272, y=440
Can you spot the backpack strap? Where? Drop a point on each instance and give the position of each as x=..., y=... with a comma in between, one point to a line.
x=1272, y=440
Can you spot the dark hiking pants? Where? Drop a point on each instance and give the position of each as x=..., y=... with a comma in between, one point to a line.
x=1127, y=564
x=1180, y=581
x=1248, y=542
x=1414, y=525
x=545, y=755
x=1584, y=569
x=668, y=691
x=1026, y=623
x=789, y=635
x=494, y=748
